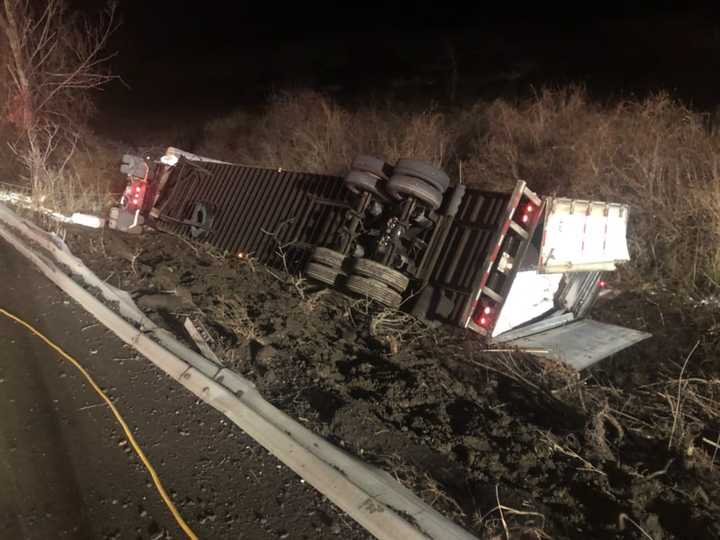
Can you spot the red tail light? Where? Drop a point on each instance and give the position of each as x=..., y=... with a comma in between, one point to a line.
x=483, y=315
x=602, y=284
x=527, y=209
x=134, y=195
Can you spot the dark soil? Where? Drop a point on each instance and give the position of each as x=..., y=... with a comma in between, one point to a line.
x=626, y=450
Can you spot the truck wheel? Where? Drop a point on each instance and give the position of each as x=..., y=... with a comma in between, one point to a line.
x=425, y=171
x=328, y=257
x=379, y=272
x=370, y=164
x=202, y=218
x=401, y=185
x=322, y=273
x=374, y=290
x=359, y=181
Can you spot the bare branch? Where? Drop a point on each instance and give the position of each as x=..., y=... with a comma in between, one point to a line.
x=56, y=58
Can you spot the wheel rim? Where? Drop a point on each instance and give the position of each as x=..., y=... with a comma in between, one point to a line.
x=202, y=217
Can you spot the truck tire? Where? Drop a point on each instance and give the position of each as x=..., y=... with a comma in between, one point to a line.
x=322, y=273
x=360, y=181
x=379, y=272
x=425, y=171
x=401, y=185
x=370, y=164
x=374, y=290
x=202, y=217
x=328, y=257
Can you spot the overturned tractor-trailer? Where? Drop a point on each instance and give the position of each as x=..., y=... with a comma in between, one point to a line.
x=511, y=266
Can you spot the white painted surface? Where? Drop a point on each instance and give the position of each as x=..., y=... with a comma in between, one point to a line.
x=87, y=220
x=582, y=343
x=172, y=155
x=530, y=296
x=169, y=160
x=579, y=235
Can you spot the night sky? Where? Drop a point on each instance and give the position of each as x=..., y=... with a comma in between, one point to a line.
x=219, y=55
x=182, y=23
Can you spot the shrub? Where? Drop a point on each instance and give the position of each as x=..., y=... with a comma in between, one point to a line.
x=308, y=132
x=82, y=183
x=52, y=58
x=655, y=155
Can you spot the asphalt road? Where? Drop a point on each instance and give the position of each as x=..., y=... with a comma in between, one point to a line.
x=66, y=470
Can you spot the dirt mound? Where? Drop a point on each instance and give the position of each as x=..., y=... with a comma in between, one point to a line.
x=500, y=441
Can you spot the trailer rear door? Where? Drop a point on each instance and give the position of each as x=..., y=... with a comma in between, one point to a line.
x=580, y=343
x=583, y=236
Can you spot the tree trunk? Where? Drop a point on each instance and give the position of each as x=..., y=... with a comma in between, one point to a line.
x=23, y=107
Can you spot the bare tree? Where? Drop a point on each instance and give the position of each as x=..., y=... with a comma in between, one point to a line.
x=56, y=57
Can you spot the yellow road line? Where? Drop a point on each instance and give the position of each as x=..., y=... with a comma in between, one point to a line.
x=136, y=447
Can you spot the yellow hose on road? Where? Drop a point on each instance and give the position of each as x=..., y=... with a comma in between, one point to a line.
x=136, y=447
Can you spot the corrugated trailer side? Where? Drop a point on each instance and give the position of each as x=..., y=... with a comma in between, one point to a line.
x=252, y=210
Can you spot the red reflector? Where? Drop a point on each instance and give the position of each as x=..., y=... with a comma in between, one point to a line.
x=482, y=315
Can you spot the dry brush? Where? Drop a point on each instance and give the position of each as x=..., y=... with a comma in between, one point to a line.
x=53, y=58
x=656, y=155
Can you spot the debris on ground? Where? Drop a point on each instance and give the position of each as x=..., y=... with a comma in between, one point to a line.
x=500, y=441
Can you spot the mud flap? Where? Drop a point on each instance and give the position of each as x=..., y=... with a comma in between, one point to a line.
x=581, y=343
